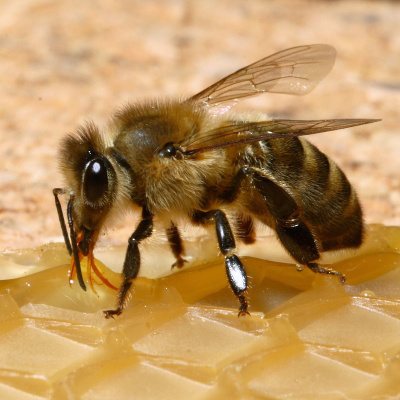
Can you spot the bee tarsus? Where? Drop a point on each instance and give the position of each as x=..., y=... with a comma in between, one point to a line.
x=175, y=242
x=315, y=267
x=121, y=301
x=243, y=306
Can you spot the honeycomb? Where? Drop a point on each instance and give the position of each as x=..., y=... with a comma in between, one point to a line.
x=308, y=336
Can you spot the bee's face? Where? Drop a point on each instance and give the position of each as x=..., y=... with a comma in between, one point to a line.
x=92, y=181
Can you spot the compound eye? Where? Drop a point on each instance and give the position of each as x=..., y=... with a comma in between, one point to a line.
x=95, y=181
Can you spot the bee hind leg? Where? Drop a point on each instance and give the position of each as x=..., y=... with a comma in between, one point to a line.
x=320, y=270
x=293, y=233
x=235, y=271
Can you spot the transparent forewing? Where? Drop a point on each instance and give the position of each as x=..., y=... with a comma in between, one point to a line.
x=293, y=71
x=241, y=133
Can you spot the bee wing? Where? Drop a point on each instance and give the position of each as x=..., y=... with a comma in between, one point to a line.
x=293, y=71
x=241, y=133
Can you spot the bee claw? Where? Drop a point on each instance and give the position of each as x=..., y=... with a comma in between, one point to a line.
x=243, y=306
x=242, y=313
x=111, y=313
x=179, y=263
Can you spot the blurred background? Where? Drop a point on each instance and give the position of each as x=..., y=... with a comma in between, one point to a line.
x=63, y=62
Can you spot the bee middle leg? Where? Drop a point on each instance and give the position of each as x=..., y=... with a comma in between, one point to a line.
x=292, y=231
x=234, y=268
x=175, y=242
x=245, y=229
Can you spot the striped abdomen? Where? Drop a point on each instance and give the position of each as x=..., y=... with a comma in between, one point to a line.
x=329, y=204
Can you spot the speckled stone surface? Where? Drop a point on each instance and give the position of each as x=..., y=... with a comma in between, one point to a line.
x=66, y=61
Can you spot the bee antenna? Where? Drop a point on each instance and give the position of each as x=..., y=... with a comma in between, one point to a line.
x=56, y=192
x=74, y=245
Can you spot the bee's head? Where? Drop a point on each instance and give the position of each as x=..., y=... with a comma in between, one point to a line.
x=91, y=179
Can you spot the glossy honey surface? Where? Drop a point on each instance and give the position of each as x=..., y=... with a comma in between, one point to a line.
x=308, y=336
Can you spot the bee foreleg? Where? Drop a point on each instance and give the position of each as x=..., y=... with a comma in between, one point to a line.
x=175, y=242
x=132, y=260
x=292, y=231
x=234, y=268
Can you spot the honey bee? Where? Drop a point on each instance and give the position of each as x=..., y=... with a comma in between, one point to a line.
x=195, y=159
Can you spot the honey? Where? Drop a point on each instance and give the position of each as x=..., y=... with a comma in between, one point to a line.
x=179, y=337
